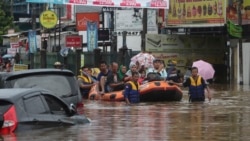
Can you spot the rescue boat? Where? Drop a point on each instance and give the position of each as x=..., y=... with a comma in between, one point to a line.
x=110, y=96
x=157, y=90
x=154, y=90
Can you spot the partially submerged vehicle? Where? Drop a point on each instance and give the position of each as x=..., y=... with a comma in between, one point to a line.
x=35, y=108
x=60, y=81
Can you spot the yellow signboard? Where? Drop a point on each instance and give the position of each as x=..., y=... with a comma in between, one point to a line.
x=48, y=19
x=19, y=67
x=196, y=12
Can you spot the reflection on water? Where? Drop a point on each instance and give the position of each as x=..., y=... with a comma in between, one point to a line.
x=225, y=118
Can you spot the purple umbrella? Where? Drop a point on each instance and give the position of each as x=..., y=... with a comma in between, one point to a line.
x=205, y=69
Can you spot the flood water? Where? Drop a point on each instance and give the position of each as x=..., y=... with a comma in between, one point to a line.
x=225, y=118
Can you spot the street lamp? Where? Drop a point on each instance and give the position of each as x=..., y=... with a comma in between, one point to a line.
x=240, y=42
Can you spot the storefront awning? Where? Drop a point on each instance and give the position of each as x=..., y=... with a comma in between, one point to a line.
x=195, y=25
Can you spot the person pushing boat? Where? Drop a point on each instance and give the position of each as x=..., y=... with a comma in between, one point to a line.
x=197, y=86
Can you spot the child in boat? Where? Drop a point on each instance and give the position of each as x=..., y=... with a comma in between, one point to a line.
x=142, y=77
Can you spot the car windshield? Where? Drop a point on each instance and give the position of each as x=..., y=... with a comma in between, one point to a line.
x=62, y=85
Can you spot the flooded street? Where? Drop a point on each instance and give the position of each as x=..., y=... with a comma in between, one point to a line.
x=225, y=118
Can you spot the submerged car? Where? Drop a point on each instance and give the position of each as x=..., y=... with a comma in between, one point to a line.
x=34, y=108
x=62, y=82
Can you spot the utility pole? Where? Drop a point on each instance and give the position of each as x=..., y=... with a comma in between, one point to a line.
x=43, y=51
x=11, y=8
x=144, y=29
x=34, y=29
x=124, y=47
x=240, y=42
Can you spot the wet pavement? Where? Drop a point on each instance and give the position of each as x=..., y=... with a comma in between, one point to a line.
x=225, y=118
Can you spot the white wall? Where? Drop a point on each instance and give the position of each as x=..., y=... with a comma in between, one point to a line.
x=133, y=42
x=245, y=63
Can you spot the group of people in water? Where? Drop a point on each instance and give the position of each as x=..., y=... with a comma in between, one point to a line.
x=114, y=78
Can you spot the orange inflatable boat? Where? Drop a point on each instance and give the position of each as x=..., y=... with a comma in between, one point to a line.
x=111, y=96
x=156, y=91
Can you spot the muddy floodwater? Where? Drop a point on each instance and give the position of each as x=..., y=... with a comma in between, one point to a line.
x=225, y=118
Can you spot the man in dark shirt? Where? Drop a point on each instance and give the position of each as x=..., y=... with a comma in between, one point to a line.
x=114, y=83
x=174, y=75
x=102, y=77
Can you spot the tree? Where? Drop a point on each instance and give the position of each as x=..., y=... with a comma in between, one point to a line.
x=6, y=18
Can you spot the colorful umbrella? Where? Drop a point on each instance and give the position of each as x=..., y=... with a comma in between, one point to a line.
x=145, y=59
x=7, y=56
x=205, y=69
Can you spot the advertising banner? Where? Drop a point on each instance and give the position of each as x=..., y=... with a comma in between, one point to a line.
x=12, y=51
x=185, y=49
x=14, y=45
x=32, y=41
x=47, y=1
x=163, y=42
x=162, y=4
x=232, y=13
x=92, y=37
x=83, y=18
x=151, y=24
x=123, y=24
x=73, y=41
x=196, y=12
x=20, y=67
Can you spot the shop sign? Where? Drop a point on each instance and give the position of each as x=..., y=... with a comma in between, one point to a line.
x=74, y=41
x=196, y=12
x=48, y=19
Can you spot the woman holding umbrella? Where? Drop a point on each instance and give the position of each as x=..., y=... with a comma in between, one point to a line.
x=196, y=85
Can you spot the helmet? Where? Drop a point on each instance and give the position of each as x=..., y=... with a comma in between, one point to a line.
x=57, y=63
x=174, y=62
x=157, y=60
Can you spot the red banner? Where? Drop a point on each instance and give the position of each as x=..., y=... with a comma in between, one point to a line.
x=164, y=4
x=130, y=3
x=78, y=1
x=83, y=18
x=103, y=2
x=158, y=3
x=74, y=41
x=14, y=45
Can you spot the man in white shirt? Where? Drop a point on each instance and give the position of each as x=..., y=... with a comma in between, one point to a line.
x=158, y=68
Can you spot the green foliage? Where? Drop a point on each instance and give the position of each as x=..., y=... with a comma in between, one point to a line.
x=6, y=19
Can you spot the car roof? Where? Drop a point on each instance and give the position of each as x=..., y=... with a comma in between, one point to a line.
x=12, y=94
x=8, y=75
